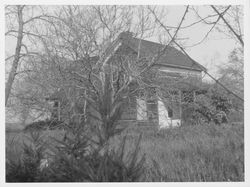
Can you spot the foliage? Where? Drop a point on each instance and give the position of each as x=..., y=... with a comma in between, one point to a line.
x=96, y=166
x=75, y=159
x=43, y=125
x=232, y=76
x=84, y=154
x=232, y=73
x=26, y=168
x=196, y=153
x=188, y=153
x=211, y=106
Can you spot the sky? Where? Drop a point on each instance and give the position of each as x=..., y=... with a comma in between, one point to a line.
x=214, y=50
x=211, y=53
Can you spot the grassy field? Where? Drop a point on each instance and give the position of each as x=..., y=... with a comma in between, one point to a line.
x=188, y=153
x=197, y=153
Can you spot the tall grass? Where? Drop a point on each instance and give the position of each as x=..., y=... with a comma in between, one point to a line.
x=194, y=153
x=187, y=153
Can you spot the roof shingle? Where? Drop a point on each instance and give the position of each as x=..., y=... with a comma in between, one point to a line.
x=171, y=56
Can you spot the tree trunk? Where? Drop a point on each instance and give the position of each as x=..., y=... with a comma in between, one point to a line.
x=12, y=73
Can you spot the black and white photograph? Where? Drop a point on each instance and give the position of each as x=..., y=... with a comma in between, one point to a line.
x=124, y=92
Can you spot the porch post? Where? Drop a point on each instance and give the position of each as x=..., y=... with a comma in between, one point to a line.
x=180, y=105
x=58, y=109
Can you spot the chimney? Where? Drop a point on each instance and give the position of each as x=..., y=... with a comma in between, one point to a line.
x=125, y=35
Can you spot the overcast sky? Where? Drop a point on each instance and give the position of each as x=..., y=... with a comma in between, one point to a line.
x=210, y=53
x=214, y=50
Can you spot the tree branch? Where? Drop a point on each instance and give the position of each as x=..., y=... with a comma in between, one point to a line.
x=228, y=25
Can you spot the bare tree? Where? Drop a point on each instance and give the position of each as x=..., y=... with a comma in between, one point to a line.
x=68, y=40
x=236, y=31
x=73, y=45
x=19, y=20
x=182, y=48
x=17, y=52
x=74, y=35
x=227, y=20
x=232, y=72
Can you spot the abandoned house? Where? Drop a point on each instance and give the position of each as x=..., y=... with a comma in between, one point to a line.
x=173, y=73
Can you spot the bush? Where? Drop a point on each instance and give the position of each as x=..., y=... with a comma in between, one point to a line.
x=188, y=153
x=26, y=168
x=75, y=159
x=212, y=106
x=44, y=125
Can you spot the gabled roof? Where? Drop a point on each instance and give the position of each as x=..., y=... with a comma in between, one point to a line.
x=170, y=58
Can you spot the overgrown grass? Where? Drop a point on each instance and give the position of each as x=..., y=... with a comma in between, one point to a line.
x=194, y=153
x=188, y=153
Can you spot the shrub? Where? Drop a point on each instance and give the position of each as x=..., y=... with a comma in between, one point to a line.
x=44, y=125
x=27, y=167
x=212, y=106
x=76, y=160
x=187, y=153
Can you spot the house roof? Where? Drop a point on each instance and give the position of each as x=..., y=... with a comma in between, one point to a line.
x=170, y=58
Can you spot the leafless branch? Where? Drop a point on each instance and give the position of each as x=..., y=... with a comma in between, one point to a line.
x=239, y=37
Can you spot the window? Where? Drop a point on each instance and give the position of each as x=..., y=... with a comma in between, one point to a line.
x=141, y=109
x=56, y=110
x=170, y=112
x=152, y=95
x=119, y=78
x=56, y=103
x=152, y=109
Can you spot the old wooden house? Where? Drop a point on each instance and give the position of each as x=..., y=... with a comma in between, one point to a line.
x=171, y=76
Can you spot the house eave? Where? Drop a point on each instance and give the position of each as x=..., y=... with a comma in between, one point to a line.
x=181, y=67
